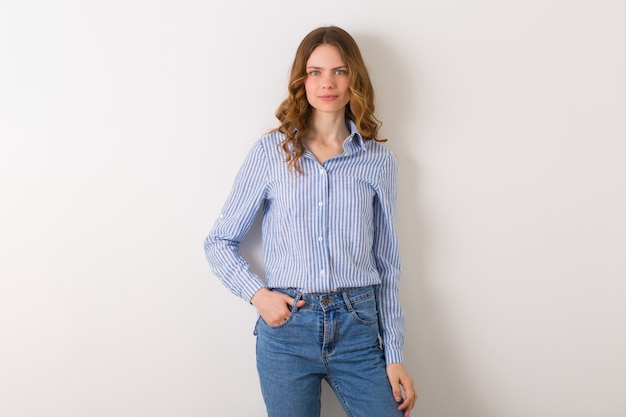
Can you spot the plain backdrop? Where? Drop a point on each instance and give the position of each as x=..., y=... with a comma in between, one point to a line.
x=123, y=123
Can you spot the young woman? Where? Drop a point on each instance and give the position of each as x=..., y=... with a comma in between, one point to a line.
x=329, y=305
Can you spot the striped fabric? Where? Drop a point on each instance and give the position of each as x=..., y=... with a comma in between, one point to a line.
x=325, y=230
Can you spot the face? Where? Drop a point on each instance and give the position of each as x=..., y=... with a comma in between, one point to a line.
x=327, y=80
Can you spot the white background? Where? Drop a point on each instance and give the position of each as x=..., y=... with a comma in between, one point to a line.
x=122, y=124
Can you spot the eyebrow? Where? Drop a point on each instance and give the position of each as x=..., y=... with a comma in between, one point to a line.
x=336, y=68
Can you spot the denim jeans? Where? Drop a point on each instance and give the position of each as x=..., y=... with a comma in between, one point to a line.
x=333, y=337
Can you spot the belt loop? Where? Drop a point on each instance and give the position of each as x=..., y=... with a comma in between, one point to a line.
x=346, y=299
x=295, y=301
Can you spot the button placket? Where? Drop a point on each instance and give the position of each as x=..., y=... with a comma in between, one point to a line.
x=321, y=220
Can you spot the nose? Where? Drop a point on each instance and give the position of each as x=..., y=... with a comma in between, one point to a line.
x=328, y=81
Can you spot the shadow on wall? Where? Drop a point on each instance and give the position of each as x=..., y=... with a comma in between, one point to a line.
x=445, y=388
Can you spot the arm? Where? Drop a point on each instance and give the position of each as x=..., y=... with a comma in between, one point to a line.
x=391, y=317
x=222, y=243
x=387, y=257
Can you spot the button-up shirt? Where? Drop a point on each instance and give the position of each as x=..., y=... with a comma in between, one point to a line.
x=327, y=229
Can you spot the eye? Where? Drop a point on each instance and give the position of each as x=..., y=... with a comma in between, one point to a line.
x=314, y=73
x=341, y=72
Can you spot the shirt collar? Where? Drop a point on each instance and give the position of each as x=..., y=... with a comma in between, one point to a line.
x=355, y=137
x=354, y=142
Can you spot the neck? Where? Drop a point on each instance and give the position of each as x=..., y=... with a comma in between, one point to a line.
x=327, y=127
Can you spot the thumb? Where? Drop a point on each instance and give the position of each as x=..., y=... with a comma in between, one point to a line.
x=397, y=394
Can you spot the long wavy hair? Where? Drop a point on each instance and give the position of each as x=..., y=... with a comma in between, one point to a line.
x=294, y=112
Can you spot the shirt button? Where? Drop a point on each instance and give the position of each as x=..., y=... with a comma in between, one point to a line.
x=320, y=239
x=322, y=272
x=320, y=203
x=322, y=171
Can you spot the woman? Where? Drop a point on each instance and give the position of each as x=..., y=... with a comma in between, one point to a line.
x=329, y=306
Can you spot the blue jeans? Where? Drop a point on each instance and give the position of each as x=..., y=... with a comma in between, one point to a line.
x=332, y=337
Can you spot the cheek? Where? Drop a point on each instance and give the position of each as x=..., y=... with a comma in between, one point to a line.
x=345, y=85
x=307, y=86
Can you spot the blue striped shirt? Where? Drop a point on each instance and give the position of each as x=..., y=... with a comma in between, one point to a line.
x=328, y=229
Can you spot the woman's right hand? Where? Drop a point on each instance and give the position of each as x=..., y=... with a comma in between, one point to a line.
x=273, y=306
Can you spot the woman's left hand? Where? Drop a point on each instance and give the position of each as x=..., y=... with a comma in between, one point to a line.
x=398, y=376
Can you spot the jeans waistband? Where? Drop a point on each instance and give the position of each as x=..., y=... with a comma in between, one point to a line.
x=326, y=301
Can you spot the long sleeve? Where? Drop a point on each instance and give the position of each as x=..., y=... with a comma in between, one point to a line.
x=222, y=243
x=387, y=257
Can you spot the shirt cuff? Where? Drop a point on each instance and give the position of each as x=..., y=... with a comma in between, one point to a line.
x=394, y=356
x=249, y=291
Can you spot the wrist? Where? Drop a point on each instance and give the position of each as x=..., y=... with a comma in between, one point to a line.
x=259, y=295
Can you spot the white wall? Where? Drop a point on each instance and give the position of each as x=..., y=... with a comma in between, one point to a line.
x=122, y=124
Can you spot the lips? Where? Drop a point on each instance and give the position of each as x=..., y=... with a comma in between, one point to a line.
x=327, y=98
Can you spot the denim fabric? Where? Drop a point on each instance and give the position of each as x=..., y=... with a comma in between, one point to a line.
x=333, y=337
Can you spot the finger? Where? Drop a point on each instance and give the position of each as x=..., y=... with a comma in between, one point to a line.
x=291, y=300
x=405, y=404
x=408, y=403
x=397, y=394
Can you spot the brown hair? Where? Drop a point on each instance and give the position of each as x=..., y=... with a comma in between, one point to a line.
x=295, y=111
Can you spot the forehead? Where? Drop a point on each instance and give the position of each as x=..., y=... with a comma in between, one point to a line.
x=325, y=56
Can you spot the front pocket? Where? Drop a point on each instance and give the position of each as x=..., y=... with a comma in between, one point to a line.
x=364, y=312
x=292, y=313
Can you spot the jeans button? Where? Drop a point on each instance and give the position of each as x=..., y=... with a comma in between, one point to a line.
x=325, y=302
